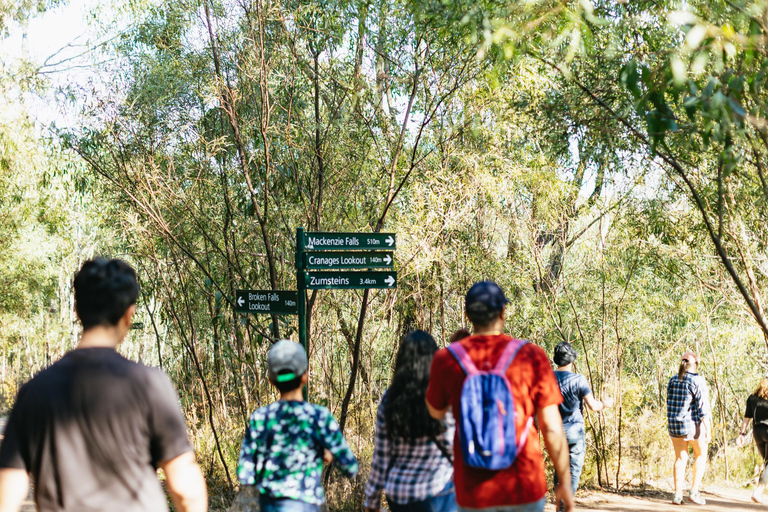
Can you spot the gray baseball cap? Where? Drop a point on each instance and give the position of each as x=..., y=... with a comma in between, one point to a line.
x=286, y=360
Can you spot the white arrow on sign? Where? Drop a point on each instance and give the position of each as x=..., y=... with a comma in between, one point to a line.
x=390, y=241
x=240, y=301
x=387, y=259
x=390, y=280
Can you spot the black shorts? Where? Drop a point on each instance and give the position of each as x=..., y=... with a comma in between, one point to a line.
x=760, y=433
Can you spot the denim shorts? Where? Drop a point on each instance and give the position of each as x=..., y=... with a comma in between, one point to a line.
x=269, y=504
x=445, y=501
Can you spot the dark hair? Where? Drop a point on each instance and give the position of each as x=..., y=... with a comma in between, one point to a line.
x=285, y=387
x=104, y=290
x=459, y=334
x=405, y=409
x=481, y=315
x=685, y=365
x=564, y=354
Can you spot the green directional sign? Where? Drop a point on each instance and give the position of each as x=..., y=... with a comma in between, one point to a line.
x=350, y=280
x=268, y=302
x=359, y=260
x=320, y=241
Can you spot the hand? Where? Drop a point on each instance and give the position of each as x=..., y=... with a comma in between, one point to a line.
x=327, y=456
x=740, y=440
x=608, y=402
x=564, y=497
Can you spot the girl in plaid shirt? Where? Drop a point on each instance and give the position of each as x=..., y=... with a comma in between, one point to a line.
x=412, y=452
x=687, y=422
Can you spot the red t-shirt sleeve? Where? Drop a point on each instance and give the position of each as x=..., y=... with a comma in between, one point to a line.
x=545, y=390
x=437, y=391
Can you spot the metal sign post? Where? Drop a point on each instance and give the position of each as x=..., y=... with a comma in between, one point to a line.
x=302, y=289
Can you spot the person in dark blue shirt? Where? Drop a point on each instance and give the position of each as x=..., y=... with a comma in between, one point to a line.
x=575, y=390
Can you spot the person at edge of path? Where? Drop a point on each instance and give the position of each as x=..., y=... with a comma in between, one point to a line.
x=687, y=425
x=521, y=487
x=93, y=427
x=757, y=411
x=576, y=392
x=412, y=460
x=287, y=441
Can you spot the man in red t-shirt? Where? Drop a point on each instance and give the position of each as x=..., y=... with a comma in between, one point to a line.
x=522, y=487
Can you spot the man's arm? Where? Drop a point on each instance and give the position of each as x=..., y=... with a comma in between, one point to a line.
x=438, y=414
x=551, y=426
x=14, y=487
x=597, y=405
x=186, y=484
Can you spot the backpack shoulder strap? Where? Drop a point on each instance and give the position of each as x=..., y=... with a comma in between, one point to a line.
x=508, y=355
x=460, y=353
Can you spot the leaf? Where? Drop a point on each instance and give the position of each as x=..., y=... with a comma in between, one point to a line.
x=718, y=101
x=657, y=127
x=629, y=77
x=736, y=107
x=691, y=104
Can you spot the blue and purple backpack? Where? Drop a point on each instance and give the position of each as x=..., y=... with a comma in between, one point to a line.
x=487, y=419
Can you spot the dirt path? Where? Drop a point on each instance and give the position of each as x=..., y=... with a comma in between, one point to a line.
x=718, y=500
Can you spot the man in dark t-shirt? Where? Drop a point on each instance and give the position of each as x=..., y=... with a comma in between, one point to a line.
x=93, y=428
x=575, y=390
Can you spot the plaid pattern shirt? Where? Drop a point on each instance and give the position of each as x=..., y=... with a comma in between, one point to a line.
x=684, y=405
x=407, y=471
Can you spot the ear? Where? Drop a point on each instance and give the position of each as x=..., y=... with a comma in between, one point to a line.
x=305, y=377
x=503, y=312
x=128, y=316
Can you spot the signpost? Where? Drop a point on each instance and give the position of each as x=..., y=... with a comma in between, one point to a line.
x=267, y=302
x=349, y=280
x=320, y=241
x=326, y=261
x=341, y=261
x=359, y=260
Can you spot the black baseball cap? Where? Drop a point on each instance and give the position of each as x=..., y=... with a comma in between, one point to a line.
x=488, y=294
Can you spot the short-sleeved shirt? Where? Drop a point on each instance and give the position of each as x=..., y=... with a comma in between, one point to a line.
x=706, y=406
x=91, y=430
x=684, y=405
x=533, y=387
x=757, y=409
x=282, y=451
x=574, y=387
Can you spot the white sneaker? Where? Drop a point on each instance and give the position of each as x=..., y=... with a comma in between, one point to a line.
x=697, y=499
x=678, y=499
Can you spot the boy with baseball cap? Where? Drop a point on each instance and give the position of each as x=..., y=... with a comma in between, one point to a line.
x=285, y=442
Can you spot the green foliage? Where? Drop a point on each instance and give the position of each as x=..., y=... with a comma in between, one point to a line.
x=603, y=161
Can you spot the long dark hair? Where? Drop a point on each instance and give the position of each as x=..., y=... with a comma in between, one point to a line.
x=685, y=365
x=405, y=411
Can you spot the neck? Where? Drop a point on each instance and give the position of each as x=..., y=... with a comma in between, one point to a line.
x=566, y=368
x=101, y=336
x=293, y=396
x=496, y=327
